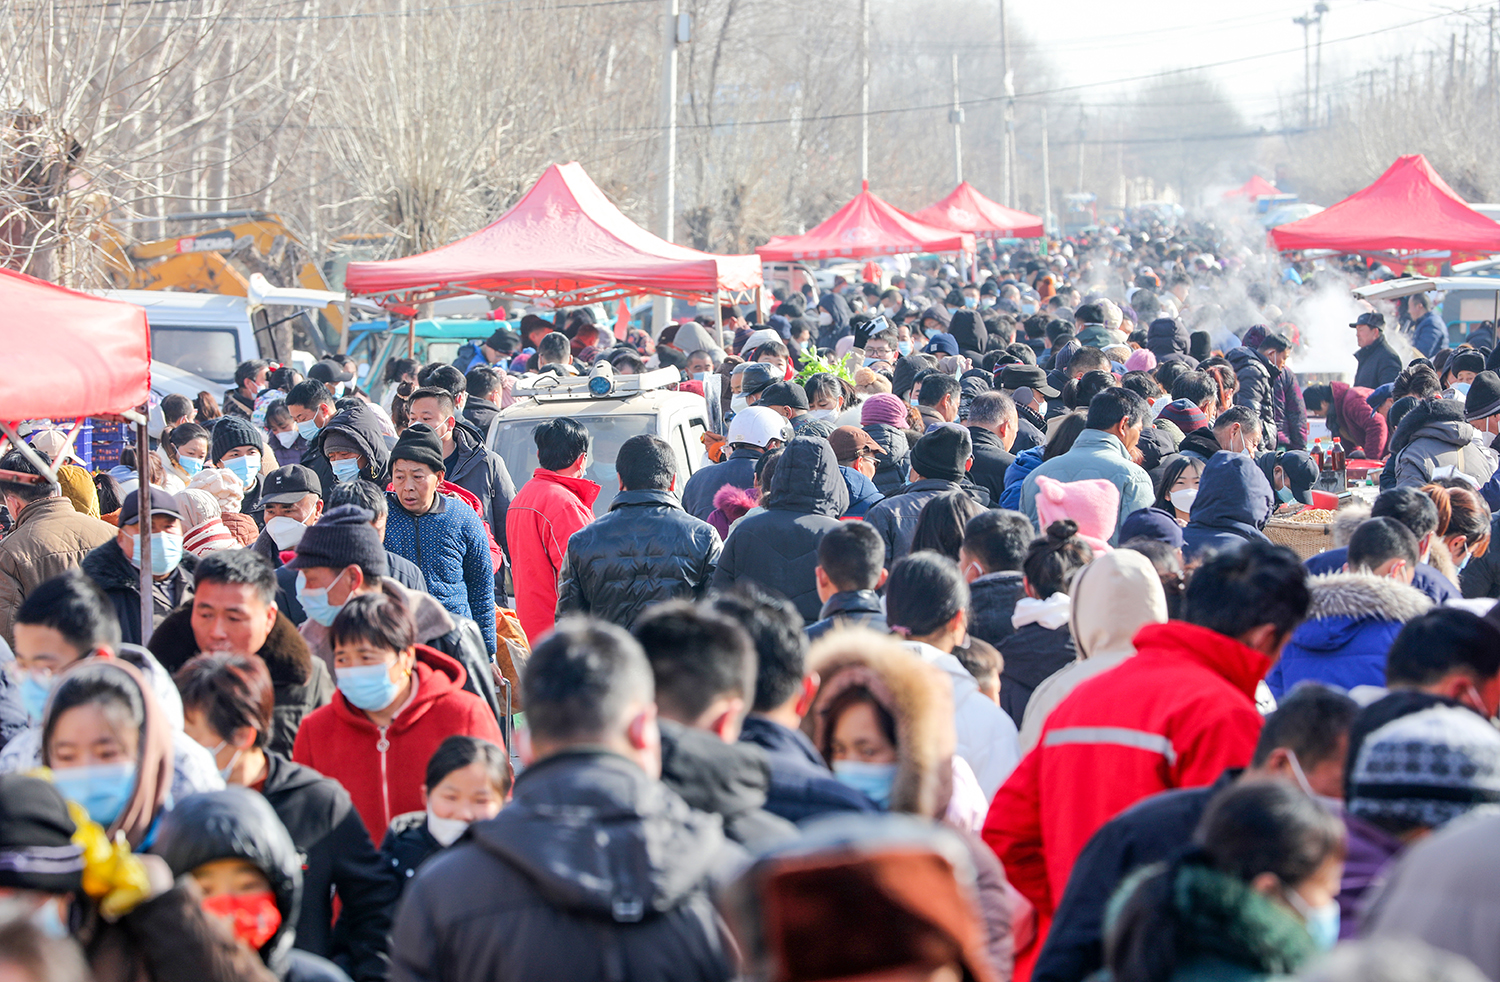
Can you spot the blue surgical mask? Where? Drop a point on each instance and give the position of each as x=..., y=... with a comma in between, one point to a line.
x=308, y=430
x=932, y=332
x=971, y=302
x=1322, y=923
x=904, y=347
x=190, y=465
x=346, y=469
x=35, y=689
x=166, y=552
x=102, y=789
x=1285, y=495
x=315, y=602
x=247, y=469
x=872, y=780
x=368, y=687
x=1028, y=309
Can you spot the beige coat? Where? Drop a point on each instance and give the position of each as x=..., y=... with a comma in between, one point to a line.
x=1112, y=598
x=49, y=538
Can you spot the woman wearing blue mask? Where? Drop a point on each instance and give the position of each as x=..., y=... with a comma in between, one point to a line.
x=1252, y=899
x=185, y=452
x=239, y=448
x=109, y=747
x=884, y=722
x=397, y=701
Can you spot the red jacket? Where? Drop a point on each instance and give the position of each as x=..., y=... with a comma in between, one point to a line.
x=383, y=771
x=1359, y=425
x=1174, y=716
x=547, y=510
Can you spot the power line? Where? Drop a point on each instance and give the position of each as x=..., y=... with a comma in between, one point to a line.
x=1057, y=90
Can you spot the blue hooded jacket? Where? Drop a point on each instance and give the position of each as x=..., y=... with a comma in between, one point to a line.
x=1015, y=477
x=1234, y=501
x=1350, y=625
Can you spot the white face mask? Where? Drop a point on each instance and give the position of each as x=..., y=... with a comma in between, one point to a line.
x=738, y=404
x=286, y=438
x=285, y=531
x=825, y=319
x=445, y=830
x=820, y=414
x=1182, y=499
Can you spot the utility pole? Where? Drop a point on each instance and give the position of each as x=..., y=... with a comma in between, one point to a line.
x=1319, y=9
x=662, y=309
x=1046, y=178
x=1081, y=131
x=956, y=117
x=1306, y=22
x=1008, y=137
x=864, y=94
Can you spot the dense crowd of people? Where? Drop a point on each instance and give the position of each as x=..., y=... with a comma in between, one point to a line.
x=965, y=652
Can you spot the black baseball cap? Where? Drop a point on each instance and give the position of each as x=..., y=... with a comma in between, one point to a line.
x=329, y=372
x=1370, y=319
x=784, y=394
x=1027, y=376
x=290, y=484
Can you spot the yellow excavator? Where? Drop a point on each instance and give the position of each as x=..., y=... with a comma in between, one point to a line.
x=220, y=260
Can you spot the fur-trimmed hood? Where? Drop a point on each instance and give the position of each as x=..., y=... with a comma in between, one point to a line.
x=1360, y=596
x=733, y=501
x=285, y=653
x=918, y=697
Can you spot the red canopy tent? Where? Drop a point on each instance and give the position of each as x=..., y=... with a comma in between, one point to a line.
x=866, y=226
x=1408, y=208
x=1256, y=187
x=966, y=210
x=71, y=356
x=564, y=239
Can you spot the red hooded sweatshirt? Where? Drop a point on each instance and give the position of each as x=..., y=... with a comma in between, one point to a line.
x=542, y=516
x=382, y=768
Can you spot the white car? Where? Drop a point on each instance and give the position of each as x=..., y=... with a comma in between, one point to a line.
x=631, y=406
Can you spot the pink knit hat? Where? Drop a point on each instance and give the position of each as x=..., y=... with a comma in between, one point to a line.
x=1094, y=505
x=882, y=407
x=1141, y=360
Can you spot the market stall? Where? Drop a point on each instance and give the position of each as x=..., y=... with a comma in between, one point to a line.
x=866, y=226
x=966, y=210
x=83, y=356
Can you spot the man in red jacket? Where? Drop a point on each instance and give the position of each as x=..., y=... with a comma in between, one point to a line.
x=1350, y=416
x=548, y=509
x=1175, y=715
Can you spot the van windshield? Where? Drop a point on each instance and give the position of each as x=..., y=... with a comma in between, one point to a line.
x=514, y=442
x=210, y=352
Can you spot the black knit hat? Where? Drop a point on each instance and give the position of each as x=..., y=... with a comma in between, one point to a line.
x=344, y=536
x=234, y=431
x=943, y=453
x=1484, y=396
x=36, y=838
x=421, y=444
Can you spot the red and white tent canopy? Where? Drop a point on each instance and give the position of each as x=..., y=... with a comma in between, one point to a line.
x=565, y=240
x=966, y=210
x=866, y=226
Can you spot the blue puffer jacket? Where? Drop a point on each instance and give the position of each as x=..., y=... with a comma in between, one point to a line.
x=1015, y=476
x=862, y=492
x=1350, y=625
x=449, y=546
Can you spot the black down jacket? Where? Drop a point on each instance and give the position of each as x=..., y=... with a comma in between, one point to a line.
x=895, y=518
x=731, y=780
x=594, y=871
x=644, y=551
x=778, y=548
x=237, y=823
x=337, y=857
x=1031, y=654
x=992, y=601
x=893, y=466
x=1257, y=392
x=360, y=424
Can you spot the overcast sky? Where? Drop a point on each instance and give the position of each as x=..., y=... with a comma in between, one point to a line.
x=1256, y=49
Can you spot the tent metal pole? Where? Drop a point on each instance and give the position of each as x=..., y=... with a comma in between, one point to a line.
x=143, y=497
